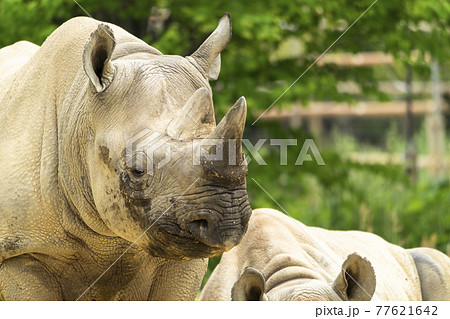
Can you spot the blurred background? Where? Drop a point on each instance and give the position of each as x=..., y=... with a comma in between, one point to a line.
x=376, y=104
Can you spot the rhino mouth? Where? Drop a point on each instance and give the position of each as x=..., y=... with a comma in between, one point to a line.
x=172, y=242
x=195, y=238
x=222, y=239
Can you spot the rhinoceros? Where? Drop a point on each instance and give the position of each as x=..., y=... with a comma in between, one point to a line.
x=280, y=258
x=81, y=218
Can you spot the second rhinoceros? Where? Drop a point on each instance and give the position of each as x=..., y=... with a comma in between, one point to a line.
x=80, y=216
x=281, y=259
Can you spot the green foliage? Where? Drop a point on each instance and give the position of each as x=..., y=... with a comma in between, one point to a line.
x=257, y=62
x=31, y=20
x=349, y=195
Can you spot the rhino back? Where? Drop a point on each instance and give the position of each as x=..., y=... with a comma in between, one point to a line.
x=433, y=268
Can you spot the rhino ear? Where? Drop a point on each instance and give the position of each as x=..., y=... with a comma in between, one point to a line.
x=356, y=281
x=97, y=57
x=250, y=286
x=207, y=56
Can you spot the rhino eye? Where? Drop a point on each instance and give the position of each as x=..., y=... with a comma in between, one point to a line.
x=137, y=172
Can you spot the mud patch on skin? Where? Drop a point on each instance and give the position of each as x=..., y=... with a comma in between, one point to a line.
x=10, y=246
x=104, y=153
x=138, y=203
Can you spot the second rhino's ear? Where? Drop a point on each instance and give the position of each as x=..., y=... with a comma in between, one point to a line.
x=207, y=56
x=97, y=57
x=356, y=281
x=250, y=286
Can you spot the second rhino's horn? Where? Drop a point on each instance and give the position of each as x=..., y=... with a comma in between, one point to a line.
x=195, y=118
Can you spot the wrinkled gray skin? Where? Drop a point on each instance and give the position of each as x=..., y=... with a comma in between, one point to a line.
x=70, y=204
x=282, y=259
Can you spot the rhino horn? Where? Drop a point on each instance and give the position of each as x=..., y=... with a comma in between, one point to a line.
x=195, y=118
x=207, y=56
x=230, y=131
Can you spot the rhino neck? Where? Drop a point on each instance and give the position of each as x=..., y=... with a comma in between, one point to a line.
x=75, y=137
x=133, y=48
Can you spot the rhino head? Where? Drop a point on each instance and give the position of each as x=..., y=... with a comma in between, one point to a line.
x=355, y=282
x=151, y=174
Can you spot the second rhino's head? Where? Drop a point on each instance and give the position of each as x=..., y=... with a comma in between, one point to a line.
x=355, y=282
x=157, y=170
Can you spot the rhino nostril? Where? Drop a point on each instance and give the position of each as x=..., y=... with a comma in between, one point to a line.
x=200, y=225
